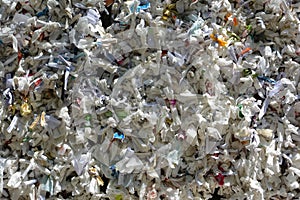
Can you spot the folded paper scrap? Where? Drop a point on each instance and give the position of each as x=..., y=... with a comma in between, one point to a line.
x=206, y=93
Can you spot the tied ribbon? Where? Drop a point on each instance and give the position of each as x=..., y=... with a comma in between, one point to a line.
x=118, y=135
